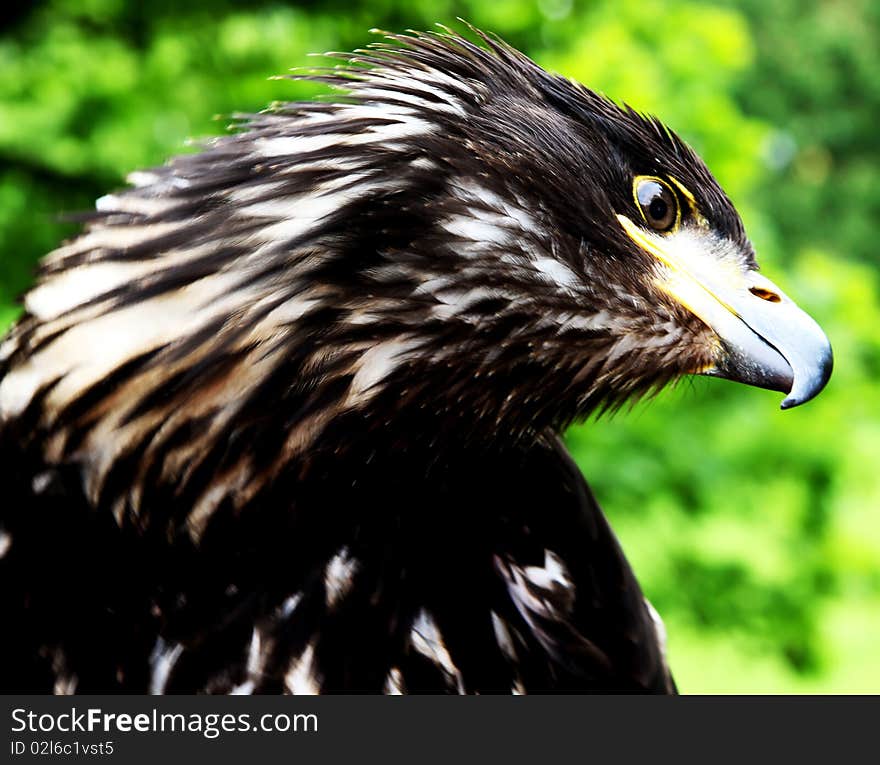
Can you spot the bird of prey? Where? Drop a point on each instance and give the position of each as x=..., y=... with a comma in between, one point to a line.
x=286, y=415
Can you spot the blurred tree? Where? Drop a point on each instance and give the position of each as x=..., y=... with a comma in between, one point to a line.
x=752, y=530
x=817, y=84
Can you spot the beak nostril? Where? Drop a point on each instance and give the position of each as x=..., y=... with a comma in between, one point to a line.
x=764, y=294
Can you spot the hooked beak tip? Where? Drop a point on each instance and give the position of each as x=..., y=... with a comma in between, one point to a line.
x=810, y=382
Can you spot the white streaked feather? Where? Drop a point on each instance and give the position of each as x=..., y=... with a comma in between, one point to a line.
x=89, y=351
x=256, y=656
x=659, y=627
x=162, y=662
x=301, y=678
x=552, y=573
x=65, y=680
x=479, y=228
x=41, y=481
x=556, y=272
x=285, y=146
x=425, y=638
x=289, y=605
x=517, y=215
x=206, y=505
x=405, y=125
x=76, y=286
x=385, y=95
x=65, y=685
x=423, y=163
x=142, y=178
x=597, y=321
x=452, y=85
x=288, y=312
x=313, y=205
x=394, y=84
x=113, y=238
x=377, y=364
x=296, y=219
x=339, y=576
x=394, y=683
x=503, y=638
x=247, y=194
x=135, y=204
x=453, y=302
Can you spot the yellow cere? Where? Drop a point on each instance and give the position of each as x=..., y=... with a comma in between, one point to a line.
x=680, y=281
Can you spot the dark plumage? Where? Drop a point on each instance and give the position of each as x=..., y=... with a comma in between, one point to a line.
x=285, y=416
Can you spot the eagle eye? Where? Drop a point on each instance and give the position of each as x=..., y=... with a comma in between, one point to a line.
x=657, y=202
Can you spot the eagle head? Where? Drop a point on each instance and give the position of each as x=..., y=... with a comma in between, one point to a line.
x=462, y=248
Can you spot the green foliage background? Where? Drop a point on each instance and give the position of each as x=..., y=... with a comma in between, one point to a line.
x=756, y=533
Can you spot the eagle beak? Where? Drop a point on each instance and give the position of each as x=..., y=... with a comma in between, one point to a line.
x=769, y=342
x=764, y=339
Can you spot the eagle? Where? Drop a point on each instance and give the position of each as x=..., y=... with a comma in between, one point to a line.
x=285, y=416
